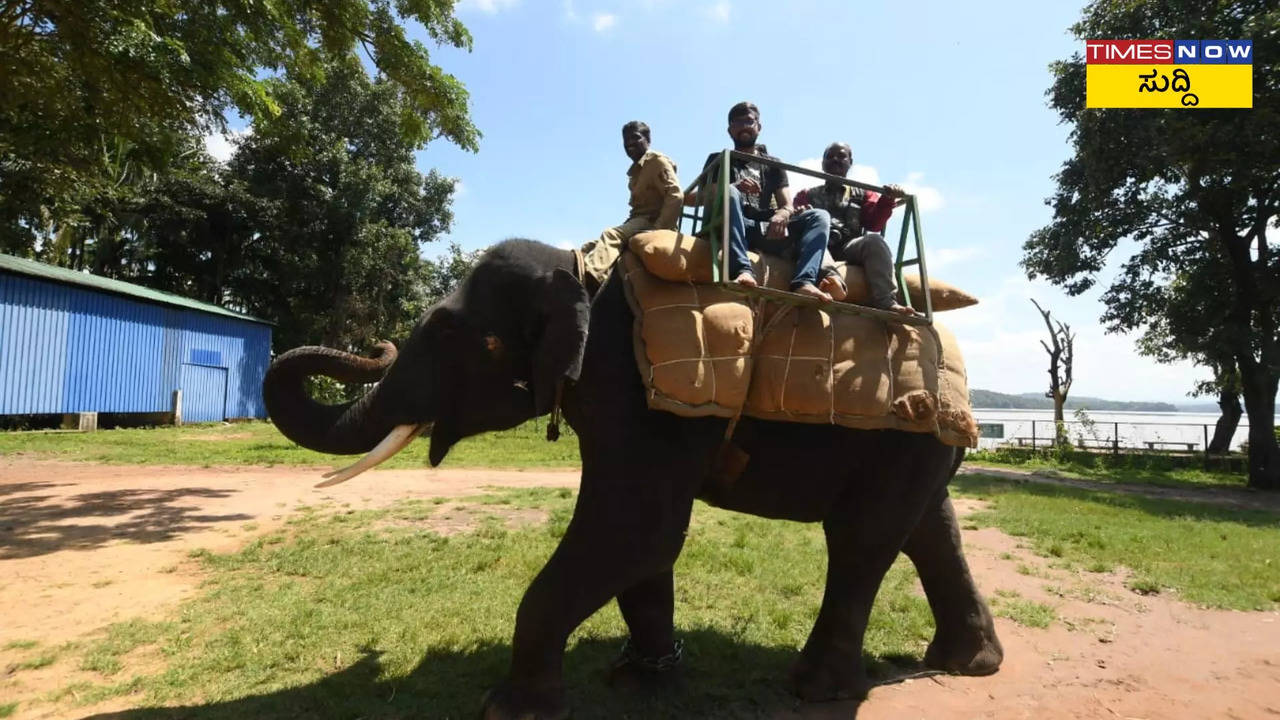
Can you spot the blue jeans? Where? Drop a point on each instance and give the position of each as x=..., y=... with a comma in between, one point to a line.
x=806, y=235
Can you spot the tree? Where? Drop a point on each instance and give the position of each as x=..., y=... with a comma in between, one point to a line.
x=1061, y=349
x=339, y=213
x=1194, y=191
x=445, y=274
x=76, y=77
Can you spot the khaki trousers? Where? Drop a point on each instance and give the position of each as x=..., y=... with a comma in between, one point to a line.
x=599, y=255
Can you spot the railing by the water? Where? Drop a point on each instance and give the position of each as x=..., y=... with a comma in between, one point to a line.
x=1101, y=435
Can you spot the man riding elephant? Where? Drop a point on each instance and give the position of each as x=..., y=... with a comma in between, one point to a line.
x=858, y=218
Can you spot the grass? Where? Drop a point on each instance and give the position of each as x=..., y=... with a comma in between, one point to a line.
x=1208, y=555
x=370, y=613
x=7, y=709
x=1137, y=469
x=259, y=443
x=1010, y=604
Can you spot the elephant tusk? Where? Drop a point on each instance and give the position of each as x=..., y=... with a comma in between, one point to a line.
x=394, y=442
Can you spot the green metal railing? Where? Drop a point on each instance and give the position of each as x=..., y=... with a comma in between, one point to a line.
x=716, y=221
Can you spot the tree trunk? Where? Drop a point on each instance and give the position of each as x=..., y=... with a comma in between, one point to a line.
x=1260, y=404
x=1059, y=425
x=1229, y=401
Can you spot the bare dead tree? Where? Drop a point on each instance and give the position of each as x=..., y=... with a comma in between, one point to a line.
x=1060, y=348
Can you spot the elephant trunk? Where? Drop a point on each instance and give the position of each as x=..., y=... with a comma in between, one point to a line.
x=346, y=429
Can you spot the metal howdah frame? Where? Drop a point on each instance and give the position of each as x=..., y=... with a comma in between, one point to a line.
x=715, y=213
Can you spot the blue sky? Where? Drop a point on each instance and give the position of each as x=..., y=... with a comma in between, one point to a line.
x=946, y=98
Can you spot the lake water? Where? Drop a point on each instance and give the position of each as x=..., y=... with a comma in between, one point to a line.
x=1135, y=429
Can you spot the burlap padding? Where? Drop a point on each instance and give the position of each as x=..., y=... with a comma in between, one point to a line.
x=684, y=258
x=693, y=349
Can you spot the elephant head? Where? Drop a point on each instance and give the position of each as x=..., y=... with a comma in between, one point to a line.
x=488, y=357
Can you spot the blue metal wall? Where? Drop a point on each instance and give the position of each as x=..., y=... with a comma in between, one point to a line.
x=66, y=349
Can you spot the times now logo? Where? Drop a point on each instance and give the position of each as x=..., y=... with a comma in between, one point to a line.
x=1136, y=52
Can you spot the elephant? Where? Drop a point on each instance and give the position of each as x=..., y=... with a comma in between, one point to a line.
x=511, y=343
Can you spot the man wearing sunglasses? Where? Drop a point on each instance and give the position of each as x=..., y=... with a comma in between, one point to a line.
x=760, y=213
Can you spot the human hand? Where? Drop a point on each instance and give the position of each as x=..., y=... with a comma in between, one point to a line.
x=778, y=225
x=801, y=208
x=748, y=185
x=895, y=191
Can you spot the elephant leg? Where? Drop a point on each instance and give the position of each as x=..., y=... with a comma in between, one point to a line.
x=865, y=530
x=830, y=666
x=965, y=639
x=652, y=654
x=648, y=607
x=621, y=534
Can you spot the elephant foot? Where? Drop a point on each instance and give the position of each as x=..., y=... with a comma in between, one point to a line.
x=633, y=671
x=819, y=681
x=975, y=650
x=507, y=703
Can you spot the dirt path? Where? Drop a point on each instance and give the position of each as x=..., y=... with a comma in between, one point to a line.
x=85, y=545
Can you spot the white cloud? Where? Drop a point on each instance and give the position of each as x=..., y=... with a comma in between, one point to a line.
x=570, y=13
x=221, y=147
x=719, y=12
x=458, y=188
x=1000, y=340
x=797, y=181
x=942, y=258
x=927, y=198
x=566, y=245
x=603, y=21
x=488, y=7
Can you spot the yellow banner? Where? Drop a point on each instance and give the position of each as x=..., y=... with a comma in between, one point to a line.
x=1168, y=86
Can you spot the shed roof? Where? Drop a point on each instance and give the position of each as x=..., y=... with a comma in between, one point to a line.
x=53, y=273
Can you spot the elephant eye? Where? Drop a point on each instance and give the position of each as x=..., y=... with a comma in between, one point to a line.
x=493, y=344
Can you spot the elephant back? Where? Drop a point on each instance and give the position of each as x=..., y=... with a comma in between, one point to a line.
x=705, y=351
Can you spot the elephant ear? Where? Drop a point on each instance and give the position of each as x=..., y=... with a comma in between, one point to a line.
x=564, y=311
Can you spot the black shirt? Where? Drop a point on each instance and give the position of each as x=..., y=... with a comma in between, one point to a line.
x=771, y=178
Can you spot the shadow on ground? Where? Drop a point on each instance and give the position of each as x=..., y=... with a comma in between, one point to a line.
x=720, y=678
x=32, y=523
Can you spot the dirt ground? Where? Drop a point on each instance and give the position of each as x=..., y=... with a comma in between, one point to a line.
x=83, y=545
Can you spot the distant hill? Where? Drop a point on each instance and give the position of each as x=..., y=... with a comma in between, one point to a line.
x=1037, y=401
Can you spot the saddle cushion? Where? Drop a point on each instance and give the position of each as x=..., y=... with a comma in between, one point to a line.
x=693, y=345
x=678, y=257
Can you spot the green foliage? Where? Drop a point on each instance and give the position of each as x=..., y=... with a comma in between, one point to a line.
x=331, y=252
x=1194, y=191
x=1210, y=555
x=445, y=274
x=83, y=76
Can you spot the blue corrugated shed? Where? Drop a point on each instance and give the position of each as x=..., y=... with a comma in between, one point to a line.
x=71, y=342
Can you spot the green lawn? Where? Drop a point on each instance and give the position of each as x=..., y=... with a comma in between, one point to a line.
x=1135, y=469
x=369, y=614
x=373, y=614
x=1205, y=554
x=259, y=443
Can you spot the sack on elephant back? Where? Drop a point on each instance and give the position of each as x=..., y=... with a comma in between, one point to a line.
x=678, y=257
x=693, y=349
